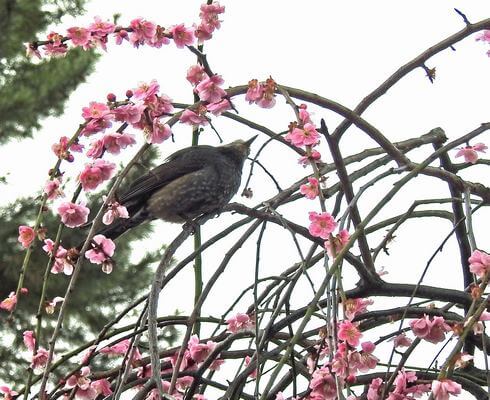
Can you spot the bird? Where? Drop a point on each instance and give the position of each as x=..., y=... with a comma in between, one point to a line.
x=194, y=181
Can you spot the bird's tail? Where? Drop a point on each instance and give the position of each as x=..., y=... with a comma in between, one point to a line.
x=119, y=226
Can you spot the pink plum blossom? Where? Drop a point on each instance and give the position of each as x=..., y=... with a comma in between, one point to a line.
x=402, y=340
x=442, y=389
x=219, y=107
x=313, y=157
x=335, y=244
x=32, y=50
x=470, y=153
x=8, y=394
x=114, y=142
x=240, y=322
x=95, y=110
x=146, y=91
x=479, y=263
x=433, y=330
x=209, y=89
x=322, y=225
x=254, y=91
x=114, y=210
x=349, y=333
x=50, y=305
x=130, y=113
x=39, y=360
x=121, y=348
x=61, y=150
x=182, y=36
x=306, y=136
x=9, y=303
x=356, y=306
x=310, y=190
x=484, y=37
x=192, y=118
x=195, y=74
x=159, y=132
x=102, y=249
x=252, y=374
x=29, y=340
x=95, y=173
x=73, y=215
x=143, y=31
x=100, y=28
x=209, y=14
x=79, y=37
x=102, y=386
x=323, y=385
x=26, y=236
x=52, y=189
x=199, y=351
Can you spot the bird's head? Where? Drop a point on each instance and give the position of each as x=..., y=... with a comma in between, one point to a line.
x=240, y=147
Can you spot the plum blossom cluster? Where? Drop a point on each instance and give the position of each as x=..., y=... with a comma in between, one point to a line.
x=431, y=329
x=195, y=354
x=39, y=355
x=139, y=32
x=479, y=263
x=210, y=91
x=405, y=387
x=101, y=251
x=485, y=37
x=240, y=322
x=85, y=388
x=262, y=93
x=470, y=153
x=347, y=361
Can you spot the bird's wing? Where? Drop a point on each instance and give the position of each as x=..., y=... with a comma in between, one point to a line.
x=178, y=164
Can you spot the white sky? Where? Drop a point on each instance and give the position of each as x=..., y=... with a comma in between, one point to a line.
x=340, y=50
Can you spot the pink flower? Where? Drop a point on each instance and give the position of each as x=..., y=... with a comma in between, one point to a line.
x=182, y=36
x=159, y=133
x=79, y=37
x=52, y=189
x=29, y=340
x=97, y=125
x=216, y=364
x=254, y=91
x=195, y=74
x=102, y=249
x=114, y=210
x=100, y=28
x=199, y=351
x=209, y=14
x=443, y=388
x=306, y=136
x=240, y=322
x=402, y=340
x=160, y=38
x=55, y=50
x=470, y=152
x=219, y=107
x=120, y=36
x=337, y=242
x=146, y=91
x=50, y=305
x=26, y=235
x=82, y=383
x=73, y=215
x=60, y=149
x=314, y=156
x=484, y=36
x=130, y=113
x=322, y=225
x=95, y=110
x=9, y=303
x=32, y=50
x=143, y=31
x=349, y=333
x=354, y=307
x=8, y=394
x=323, y=385
x=209, y=89
x=433, y=331
x=39, y=360
x=311, y=190
x=479, y=263
x=102, y=386
x=95, y=173
x=121, y=348
x=252, y=374
x=304, y=115
x=114, y=142
x=191, y=118
x=374, y=389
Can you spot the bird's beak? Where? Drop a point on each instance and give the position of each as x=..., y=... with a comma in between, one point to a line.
x=249, y=141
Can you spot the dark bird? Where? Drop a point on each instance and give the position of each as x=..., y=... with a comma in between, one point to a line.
x=193, y=181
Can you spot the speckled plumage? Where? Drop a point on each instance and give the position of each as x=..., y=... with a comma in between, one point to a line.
x=193, y=181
